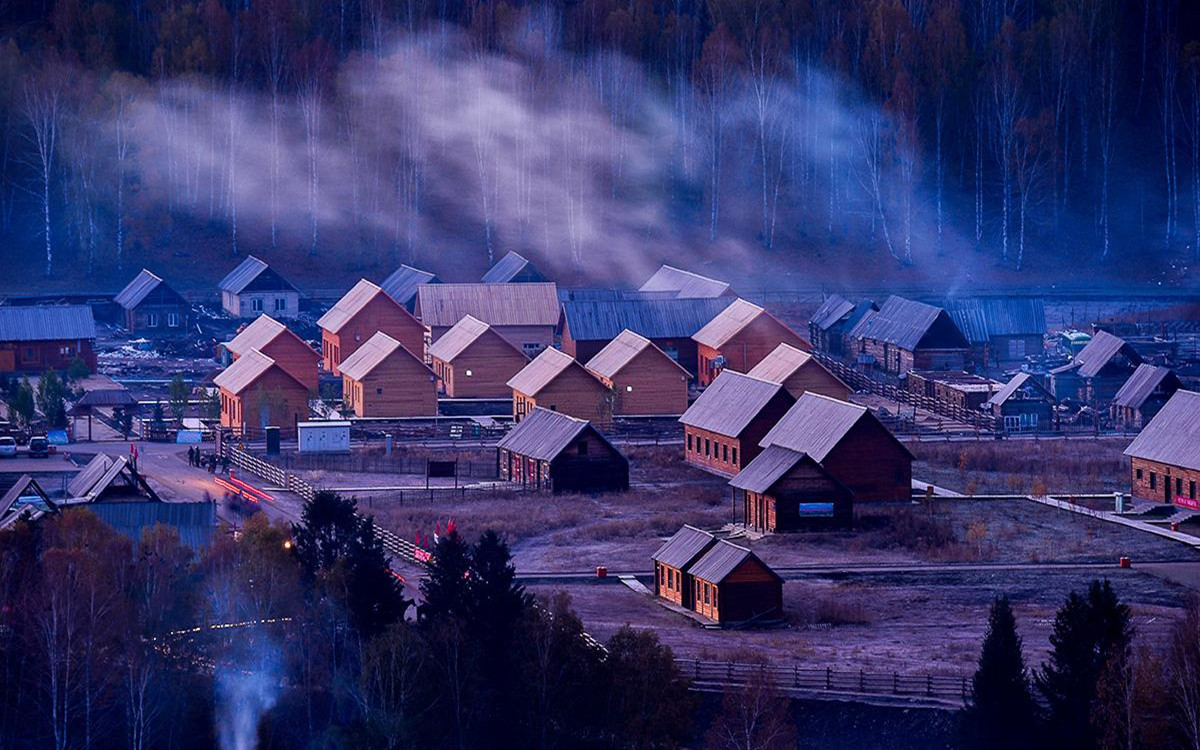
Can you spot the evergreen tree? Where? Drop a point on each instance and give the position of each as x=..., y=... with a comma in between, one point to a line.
x=178, y=396
x=22, y=404
x=446, y=590
x=52, y=397
x=1001, y=713
x=649, y=705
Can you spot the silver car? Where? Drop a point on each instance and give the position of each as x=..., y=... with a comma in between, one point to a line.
x=8, y=447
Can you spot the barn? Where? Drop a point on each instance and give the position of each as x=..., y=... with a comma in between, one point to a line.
x=382, y=378
x=685, y=284
x=278, y=342
x=557, y=382
x=907, y=335
x=1143, y=395
x=799, y=372
x=364, y=311
x=825, y=327
x=723, y=427
x=732, y=586
x=1002, y=331
x=151, y=306
x=553, y=451
x=739, y=338
x=587, y=325
x=402, y=284
x=473, y=361
x=1023, y=405
x=525, y=314
x=1097, y=372
x=785, y=490
x=254, y=288
x=46, y=337
x=256, y=392
x=643, y=379
x=850, y=443
x=1165, y=456
x=513, y=268
x=674, y=559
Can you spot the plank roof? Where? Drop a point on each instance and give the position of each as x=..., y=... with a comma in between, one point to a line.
x=980, y=319
x=1173, y=435
x=460, y=336
x=903, y=322
x=257, y=335
x=351, y=304
x=246, y=370
x=47, y=323
x=242, y=276
x=373, y=352
x=783, y=362
x=654, y=318
x=728, y=323
x=685, y=284
x=730, y=403
x=622, y=350
x=1011, y=387
x=543, y=434
x=684, y=547
x=509, y=267
x=542, y=371
x=722, y=559
x=1142, y=384
x=137, y=290
x=834, y=308
x=532, y=304
x=1100, y=351
x=767, y=468
x=89, y=475
x=816, y=424
x=23, y=487
x=403, y=283
x=195, y=522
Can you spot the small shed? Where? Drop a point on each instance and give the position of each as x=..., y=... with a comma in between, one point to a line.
x=324, y=437
x=907, y=335
x=588, y=324
x=1165, y=456
x=473, y=361
x=740, y=337
x=281, y=344
x=731, y=585
x=256, y=392
x=25, y=497
x=785, y=490
x=674, y=559
x=1001, y=330
x=557, y=382
x=723, y=427
x=108, y=478
x=382, y=378
x=825, y=325
x=685, y=284
x=799, y=372
x=361, y=313
x=1143, y=395
x=46, y=337
x=1097, y=372
x=254, y=288
x=525, y=314
x=643, y=379
x=151, y=306
x=962, y=390
x=1023, y=405
x=402, y=284
x=513, y=268
x=553, y=451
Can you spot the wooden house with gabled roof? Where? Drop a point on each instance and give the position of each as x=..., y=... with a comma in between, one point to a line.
x=1143, y=395
x=549, y=450
x=1165, y=456
x=723, y=427
x=643, y=379
x=402, y=284
x=1023, y=405
x=151, y=306
x=906, y=335
x=799, y=372
x=1096, y=374
x=685, y=284
x=256, y=392
x=473, y=361
x=525, y=314
x=278, y=342
x=254, y=288
x=36, y=338
x=361, y=313
x=738, y=338
x=674, y=559
x=588, y=324
x=555, y=381
x=786, y=490
x=513, y=268
x=382, y=378
x=850, y=443
x=1001, y=330
x=731, y=585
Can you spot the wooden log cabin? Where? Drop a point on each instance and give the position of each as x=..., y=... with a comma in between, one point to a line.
x=907, y=335
x=1023, y=405
x=1144, y=395
x=724, y=426
x=785, y=490
x=732, y=586
x=402, y=284
x=643, y=379
x=46, y=337
x=850, y=443
x=1165, y=456
x=559, y=453
x=674, y=559
x=825, y=325
x=513, y=268
x=1002, y=331
x=473, y=361
x=685, y=284
x=364, y=311
x=799, y=372
x=278, y=342
x=1095, y=375
x=557, y=382
x=151, y=307
x=525, y=314
x=257, y=393
x=738, y=339
x=382, y=378
x=254, y=288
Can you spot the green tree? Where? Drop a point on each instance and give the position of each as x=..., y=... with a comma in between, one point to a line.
x=445, y=591
x=22, y=404
x=649, y=705
x=52, y=398
x=78, y=370
x=178, y=396
x=1002, y=712
x=212, y=406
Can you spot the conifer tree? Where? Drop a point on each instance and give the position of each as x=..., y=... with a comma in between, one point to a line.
x=1001, y=712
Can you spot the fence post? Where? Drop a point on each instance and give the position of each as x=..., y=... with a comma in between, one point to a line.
x=829, y=678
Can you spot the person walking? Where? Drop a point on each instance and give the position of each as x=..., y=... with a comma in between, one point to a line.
x=191, y=456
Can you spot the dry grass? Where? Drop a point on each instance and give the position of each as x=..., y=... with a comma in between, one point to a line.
x=1083, y=465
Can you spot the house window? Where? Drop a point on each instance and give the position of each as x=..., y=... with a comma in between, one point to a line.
x=531, y=349
x=280, y=304
x=1138, y=473
x=707, y=447
x=30, y=354
x=706, y=593
x=152, y=320
x=469, y=373
x=1192, y=489
x=1153, y=481
x=725, y=452
x=714, y=597
x=173, y=320
x=629, y=389
x=256, y=304
x=670, y=578
x=1178, y=485
x=378, y=391
x=735, y=454
x=689, y=442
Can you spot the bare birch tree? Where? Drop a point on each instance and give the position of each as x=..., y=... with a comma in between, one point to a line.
x=43, y=108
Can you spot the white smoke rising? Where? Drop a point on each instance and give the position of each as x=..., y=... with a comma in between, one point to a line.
x=245, y=692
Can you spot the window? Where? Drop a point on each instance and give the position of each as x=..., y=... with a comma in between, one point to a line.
x=378, y=391
x=689, y=442
x=735, y=454
x=280, y=304
x=173, y=320
x=1192, y=490
x=531, y=349
x=706, y=593
x=707, y=447
x=714, y=597
x=152, y=320
x=256, y=304
x=725, y=452
x=670, y=578
x=1153, y=481
x=629, y=389
x=1138, y=473
x=1178, y=485
x=29, y=354
x=469, y=373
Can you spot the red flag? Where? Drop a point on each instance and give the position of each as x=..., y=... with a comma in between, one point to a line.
x=450, y=526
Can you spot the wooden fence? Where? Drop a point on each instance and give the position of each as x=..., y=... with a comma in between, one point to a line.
x=377, y=462
x=269, y=472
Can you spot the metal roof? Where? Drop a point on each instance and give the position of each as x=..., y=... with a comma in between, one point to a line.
x=684, y=546
x=540, y=372
x=815, y=425
x=602, y=320
x=22, y=488
x=239, y=278
x=1142, y=384
x=351, y=304
x=532, y=304
x=195, y=522
x=257, y=335
x=730, y=403
x=1011, y=387
x=373, y=352
x=728, y=323
x=461, y=335
x=1100, y=351
x=981, y=319
x=834, y=308
x=783, y=362
x=903, y=322
x=245, y=372
x=508, y=267
x=723, y=558
x=402, y=285
x=137, y=290
x=47, y=323
x=543, y=434
x=89, y=475
x=1173, y=435
x=685, y=284
x=621, y=351
x=107, y=397
x=767, y=468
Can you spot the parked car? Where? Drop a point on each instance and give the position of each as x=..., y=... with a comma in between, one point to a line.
x=8, y=447
x=39, y=447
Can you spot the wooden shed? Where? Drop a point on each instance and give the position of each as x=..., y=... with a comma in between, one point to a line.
x=1023, y=405
x=1096, y=374
x=799, y=372
x=643, y=379
x=473, y=361
x=402, y=284
x=739, y=338
x=674, y=559
x=1143, y=395
x=785, y=490
x=382, y=378
x=731, y=585
x=907, y=335
x=525, y=314
x=553, y=451
x=557, y=382
x=723, y=427
x=1001, y=330
x=254, y=288
x=256, y=392
x=963, y=390
x=587, y=325
x=825, y=325
x=46, y=337
x=278, y=342
x=685, y=284
x=1165, y=456
x=513, y=268
x=151, y=306
x=850, y=443
x=364, y=311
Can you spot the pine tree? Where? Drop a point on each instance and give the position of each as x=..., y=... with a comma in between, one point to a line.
x=1002, y=712
x=445, y=589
